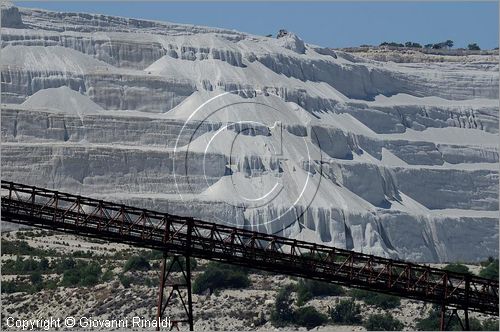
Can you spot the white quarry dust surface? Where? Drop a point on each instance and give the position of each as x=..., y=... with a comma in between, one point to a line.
x=63, y=99
x=275, y=135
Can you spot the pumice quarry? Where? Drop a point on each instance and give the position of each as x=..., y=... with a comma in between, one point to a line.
x=282, y=185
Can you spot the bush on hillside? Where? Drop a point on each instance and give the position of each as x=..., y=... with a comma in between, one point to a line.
x=83, y=274
x=412, y=44
x=392, y=44
x=380, y=300
x=474, y=47
x=346, y=312
x=65, y=265
x=107, y=276
x=125, y=280
x=22, y=266
x=282, y=313
x=309, y=317
x=490, y=271
x=457, y=267
x=383, y=322
x=136, y=263
x=220, y=276
x=307, y=289
x=14, y=286
x=490, y=325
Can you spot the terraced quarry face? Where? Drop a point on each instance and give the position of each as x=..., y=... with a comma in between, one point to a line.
x=276, y=135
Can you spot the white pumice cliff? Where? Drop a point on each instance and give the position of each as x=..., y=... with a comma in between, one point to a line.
x=271, y=134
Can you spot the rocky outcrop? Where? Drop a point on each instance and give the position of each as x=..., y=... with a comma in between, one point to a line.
x=10, y=16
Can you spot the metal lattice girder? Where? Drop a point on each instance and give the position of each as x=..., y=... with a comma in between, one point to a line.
x=45, y=208
x=175, y=288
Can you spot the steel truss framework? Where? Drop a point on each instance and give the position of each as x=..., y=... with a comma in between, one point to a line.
x=180, y=289
x=444, y=322
x=188, y=237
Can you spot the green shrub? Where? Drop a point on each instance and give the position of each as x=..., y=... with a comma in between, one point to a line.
x=150, y=282
x=149, y=255
x=83, y=274
x=36, y=277
x=490, y=325
x=65, y=265
x=21, y=266
x=219, y=276
x=487, y=262
x=70, y=278
x=17, y=247
x=307, y=289
x=346, y=312
x=36, y=281
x=125, y=280
x=457, y=267
x=43, y=264
x=380, y=300
x=393, y=44
x=16, y=286
x=8, y=287
x=23, y=248
x=383, y=322
x=9, y=266
x=107, y=276
x=50, y=284
x=413, y=44
x=28, y=265
x=210, y=279
x=474, y=325
x=474, y=47
x=309, y=317
x=35, y=284
x=490, y=271
x=82, y=254
x=282, y=313
x=135, y=263
x=90, y=274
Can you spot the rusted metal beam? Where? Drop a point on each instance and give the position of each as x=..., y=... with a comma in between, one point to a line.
x=161, y=290
x=176, y=287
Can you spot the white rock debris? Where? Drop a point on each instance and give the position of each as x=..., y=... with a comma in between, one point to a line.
x=271, y=134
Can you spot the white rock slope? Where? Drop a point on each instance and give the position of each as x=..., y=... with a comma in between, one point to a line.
x=276, y=135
